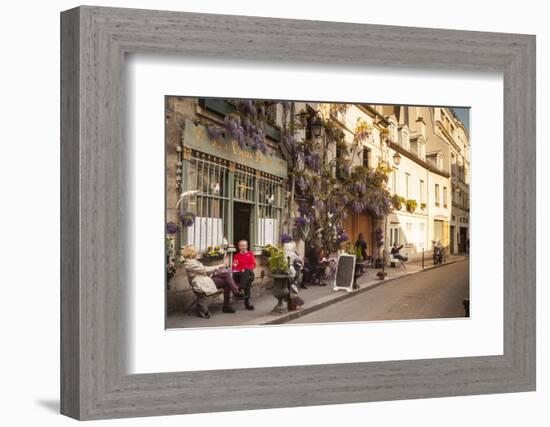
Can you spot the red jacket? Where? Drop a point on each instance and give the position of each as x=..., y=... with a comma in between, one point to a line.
x=246, y=261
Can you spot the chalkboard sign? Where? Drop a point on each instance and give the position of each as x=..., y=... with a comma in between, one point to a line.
x=345, y=269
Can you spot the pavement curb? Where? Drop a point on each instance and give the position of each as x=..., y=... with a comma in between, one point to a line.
x=331, y=299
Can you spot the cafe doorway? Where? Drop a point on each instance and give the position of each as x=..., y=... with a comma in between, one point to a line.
x=242, y=214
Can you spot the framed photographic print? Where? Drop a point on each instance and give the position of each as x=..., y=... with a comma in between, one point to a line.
x=346, y=212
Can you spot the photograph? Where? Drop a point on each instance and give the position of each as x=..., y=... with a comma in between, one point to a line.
x=286, y=212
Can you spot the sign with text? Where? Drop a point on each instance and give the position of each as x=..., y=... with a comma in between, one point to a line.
x=197, y=137
x=345, y=270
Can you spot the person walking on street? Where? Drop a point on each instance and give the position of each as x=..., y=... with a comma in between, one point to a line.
x=362, y=245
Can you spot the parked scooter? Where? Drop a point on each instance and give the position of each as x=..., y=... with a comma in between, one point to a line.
x=437, y=253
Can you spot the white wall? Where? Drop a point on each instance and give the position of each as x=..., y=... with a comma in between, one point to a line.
x=29, y=218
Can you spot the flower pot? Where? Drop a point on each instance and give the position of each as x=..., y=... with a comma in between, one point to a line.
x=280, y=291
x=381, y=274
x=213, y=258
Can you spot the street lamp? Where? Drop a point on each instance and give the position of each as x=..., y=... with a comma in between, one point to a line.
x=317, y=127
x=396, y=158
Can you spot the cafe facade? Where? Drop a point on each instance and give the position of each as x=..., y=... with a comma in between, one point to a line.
x=234, y=193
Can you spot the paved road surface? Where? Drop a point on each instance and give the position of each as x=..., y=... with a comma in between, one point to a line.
x=436, y=293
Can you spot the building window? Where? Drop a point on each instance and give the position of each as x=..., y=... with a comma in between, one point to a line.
x=437, y=194
x=270, y=208
x=366, y=157
x=393, y=132
x=394, y=236
x=439, y=161
x=444, y=197
x=244, y=187
x=210, y=204
x=261, y=197
x=453, y=165
x=407, y=181
x=404, y=140
x=408, y=235
x=421, y=192
x=342, y=154
x=419, y=149
x=394, y=181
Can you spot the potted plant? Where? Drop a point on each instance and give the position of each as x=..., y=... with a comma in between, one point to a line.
x=381, y=274
x=397, y=201
x=280, y=272
x=213, y=253
x=410, y=205
x=384, y=134
x=268, y=250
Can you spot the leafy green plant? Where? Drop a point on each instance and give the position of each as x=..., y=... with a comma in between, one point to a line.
x=422, y=206
x=278, y=263
x=268, y=250
x=411, y=204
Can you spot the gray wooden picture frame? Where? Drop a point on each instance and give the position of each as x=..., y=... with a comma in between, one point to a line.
x=94, y=382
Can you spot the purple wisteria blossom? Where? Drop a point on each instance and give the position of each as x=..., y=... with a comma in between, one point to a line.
x=312, y=161
x=342, y=237
x=379, y=235
x=249, y=107
x=171, y=228
x=301, y=221
x=301, y=183
x=286, y=238
x=319, y=205
x=215, y=132
x=187, y=218
x=357, y=206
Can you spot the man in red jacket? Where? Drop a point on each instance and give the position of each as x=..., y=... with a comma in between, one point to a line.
x=244, y=263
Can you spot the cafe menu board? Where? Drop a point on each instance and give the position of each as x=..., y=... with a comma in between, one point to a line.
x=345, y=269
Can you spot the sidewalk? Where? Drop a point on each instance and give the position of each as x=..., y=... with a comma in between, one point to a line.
x=315, y=298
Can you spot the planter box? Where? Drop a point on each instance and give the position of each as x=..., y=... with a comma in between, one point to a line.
x=213, y=259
